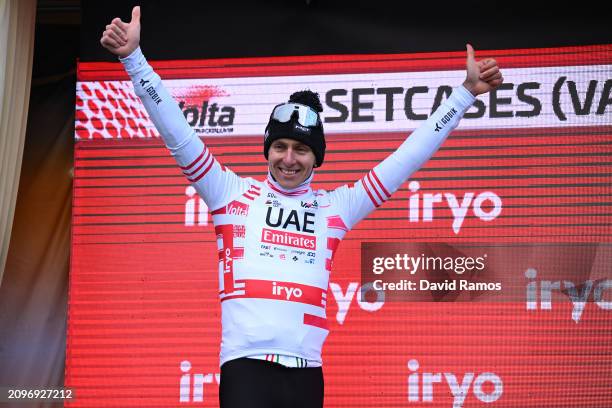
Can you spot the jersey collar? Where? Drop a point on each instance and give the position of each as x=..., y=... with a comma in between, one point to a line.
x=302, y=189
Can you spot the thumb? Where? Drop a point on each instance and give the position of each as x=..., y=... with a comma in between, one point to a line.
x=470, y=52
x=136, y=15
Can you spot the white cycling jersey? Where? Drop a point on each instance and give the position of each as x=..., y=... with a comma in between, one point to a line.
x=276, y=246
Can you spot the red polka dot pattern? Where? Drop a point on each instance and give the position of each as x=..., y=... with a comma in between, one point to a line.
x=110, y=110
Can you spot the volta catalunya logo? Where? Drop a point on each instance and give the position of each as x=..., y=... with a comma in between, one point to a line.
x=203, y=115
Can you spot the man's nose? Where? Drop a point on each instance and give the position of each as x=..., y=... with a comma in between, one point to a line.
x=289, y=157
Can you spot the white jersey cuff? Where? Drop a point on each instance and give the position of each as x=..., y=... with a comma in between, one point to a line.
x=134, y=62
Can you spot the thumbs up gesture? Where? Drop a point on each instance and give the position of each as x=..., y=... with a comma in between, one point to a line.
x=482, y=76
x=122, y=38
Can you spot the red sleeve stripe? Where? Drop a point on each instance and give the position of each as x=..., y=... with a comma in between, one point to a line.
x=252, y=192
x=365, y=187
x=382, y=187
x=190, y=165
x=316, y=321
x=188, y=174
x=212, y=161
x=369, y=178
x=222, y=210
x=238, y=252
x=336, y=222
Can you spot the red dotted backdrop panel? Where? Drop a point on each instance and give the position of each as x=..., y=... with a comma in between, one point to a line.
x=529, y=165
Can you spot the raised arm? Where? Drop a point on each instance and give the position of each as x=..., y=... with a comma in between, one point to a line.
x=215, y=184
x=384, y=179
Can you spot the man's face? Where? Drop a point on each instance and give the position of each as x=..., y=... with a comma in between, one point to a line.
x=290, y=162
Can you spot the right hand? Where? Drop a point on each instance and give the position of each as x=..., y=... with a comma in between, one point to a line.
x=122, y=38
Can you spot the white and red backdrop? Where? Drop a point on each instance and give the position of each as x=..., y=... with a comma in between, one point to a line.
x=529, y=167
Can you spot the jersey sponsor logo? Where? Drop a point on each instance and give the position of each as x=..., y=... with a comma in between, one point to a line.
x=277, y=290
x=273, y=203
x=151, y=91
x=288, y=239
x=285, y=291
x=239, y=231
x=278, y=218
x=312, y=204
x=445, y=119
x=233, y=208
x=238, y=208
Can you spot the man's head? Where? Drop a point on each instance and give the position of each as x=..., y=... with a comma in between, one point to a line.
x=294, y=141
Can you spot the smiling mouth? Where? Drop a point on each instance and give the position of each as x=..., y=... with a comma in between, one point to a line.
x=288, y=172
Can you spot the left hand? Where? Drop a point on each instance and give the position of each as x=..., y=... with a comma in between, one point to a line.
x=482, y=76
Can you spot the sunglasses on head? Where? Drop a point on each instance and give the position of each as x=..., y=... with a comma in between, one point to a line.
x=306, y=116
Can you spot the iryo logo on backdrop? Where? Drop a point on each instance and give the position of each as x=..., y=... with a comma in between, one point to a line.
x=485, y=205
x=191, y=386
x=196, y=210
x=578, y=293
x=425, y=391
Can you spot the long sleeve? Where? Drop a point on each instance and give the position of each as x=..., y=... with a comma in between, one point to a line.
x=214, y=183
x=383, y=180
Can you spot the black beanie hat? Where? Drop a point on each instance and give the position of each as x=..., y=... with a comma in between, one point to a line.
x=311, y=136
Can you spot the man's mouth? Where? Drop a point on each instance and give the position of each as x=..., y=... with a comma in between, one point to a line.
x=287, y=172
